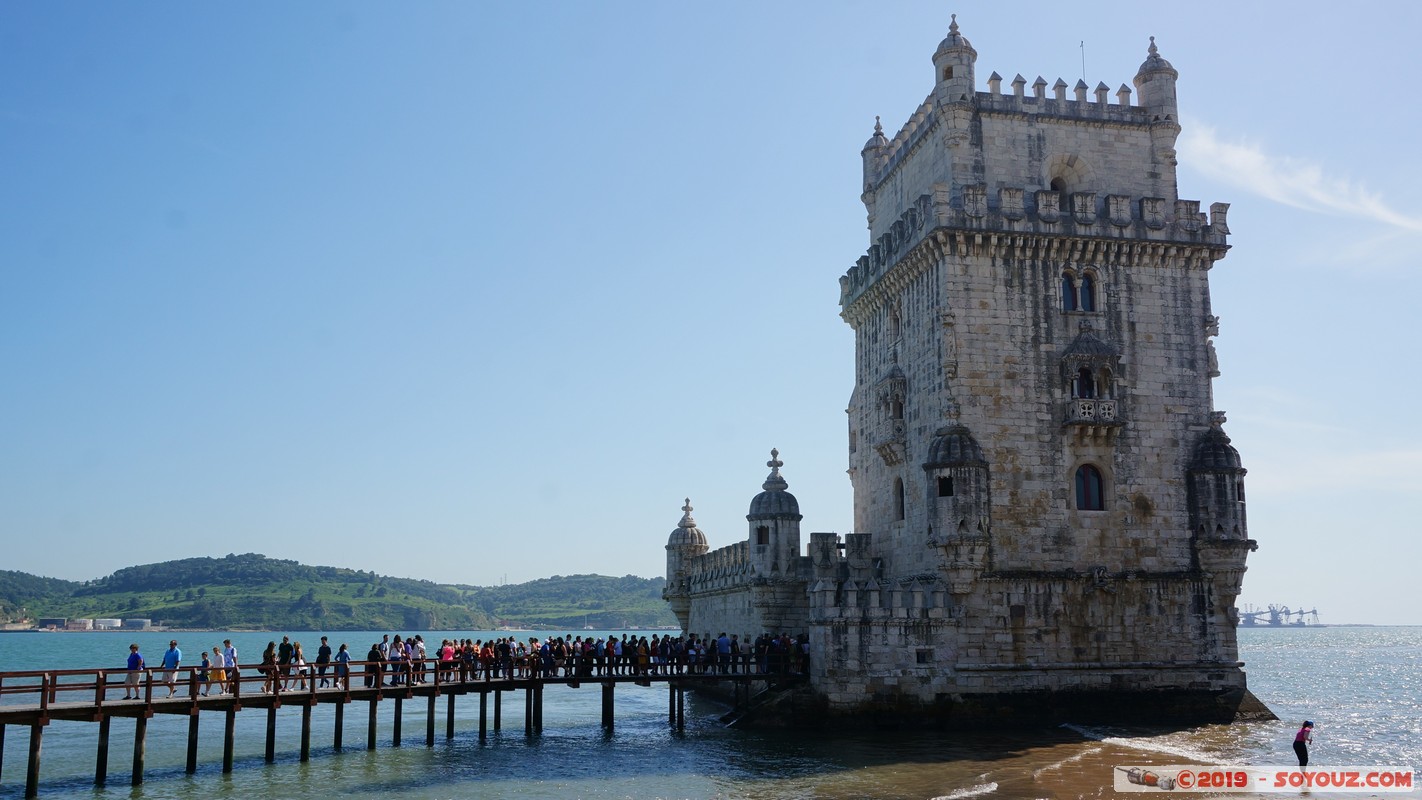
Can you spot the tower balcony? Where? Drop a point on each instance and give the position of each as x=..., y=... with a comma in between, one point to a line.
x=1094, y=418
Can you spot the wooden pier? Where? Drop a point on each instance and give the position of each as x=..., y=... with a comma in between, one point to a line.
x=34, y=699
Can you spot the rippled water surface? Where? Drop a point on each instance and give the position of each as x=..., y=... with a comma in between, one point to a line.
x=1362, y=686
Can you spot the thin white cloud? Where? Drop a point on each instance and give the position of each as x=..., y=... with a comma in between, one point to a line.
x=1390, y=471
x=1291, y=181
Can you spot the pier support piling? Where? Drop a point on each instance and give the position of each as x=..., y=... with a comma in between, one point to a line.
x=32, y=770
x=399, y=712
x=430, y=720
x=608, y=687
x=498, y=706
x=671, y=704
x=370, y=728
x=271, y=733
x=538, y=708
x=192, y=741
x=340, y=725
x=306, y=730
x=680, y=709
x=229, y=738
x=101, y=758
x=140, y=746
x=483, y=715
x=449, y=718
x=528, y=711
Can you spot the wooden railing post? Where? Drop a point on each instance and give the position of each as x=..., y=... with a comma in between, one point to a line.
x=101, y=686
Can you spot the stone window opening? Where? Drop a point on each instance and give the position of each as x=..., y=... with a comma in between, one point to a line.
x=899, y=499
x=945, y=486
x=896, y=408
x=1090, y=489
x=947, y=73
x=1239, y=490
x=1086, y=293
x=1084, y=385
x=762, y=536
x=1080, y=291
x=895, y=324
x=923, y=655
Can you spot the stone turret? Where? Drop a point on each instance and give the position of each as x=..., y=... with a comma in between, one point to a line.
x=1155, y=88
x=1216, y=496
x=874, y=153
x=684, y=544
x=774, y=525
x=953, y=64
x=957, y=475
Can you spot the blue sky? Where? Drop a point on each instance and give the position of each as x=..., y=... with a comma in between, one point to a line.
x=480, y=292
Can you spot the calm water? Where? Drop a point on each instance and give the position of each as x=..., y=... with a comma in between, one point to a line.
x=1362, y=686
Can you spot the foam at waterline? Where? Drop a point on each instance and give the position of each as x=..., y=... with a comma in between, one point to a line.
x=1059, y=764
x=1192, y=756
x=971, y=791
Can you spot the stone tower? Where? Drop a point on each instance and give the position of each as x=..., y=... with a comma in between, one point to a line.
x=1032, y=431
x=1049, y=520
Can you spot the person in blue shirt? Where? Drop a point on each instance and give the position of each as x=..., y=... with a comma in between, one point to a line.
x=343, y=668
x=135, y=673
x=172, y=657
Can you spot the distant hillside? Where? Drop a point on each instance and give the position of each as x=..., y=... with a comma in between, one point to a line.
x=252, y=591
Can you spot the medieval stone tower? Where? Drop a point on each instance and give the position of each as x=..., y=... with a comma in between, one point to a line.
x=1049, y=519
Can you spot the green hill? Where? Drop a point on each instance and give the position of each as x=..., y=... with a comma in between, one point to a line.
x=252, y=591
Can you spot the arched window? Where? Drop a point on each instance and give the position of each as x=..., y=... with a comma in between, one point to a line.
x=1068, y=292
x=898, y=498
x=1089, y=489
x=1058, y=185
x=894, y=324
x=1085, y=385
x=1087, y=293
x=896, y=408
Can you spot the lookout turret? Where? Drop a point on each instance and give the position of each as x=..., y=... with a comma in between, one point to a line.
x=953, y=67
x=774, y=524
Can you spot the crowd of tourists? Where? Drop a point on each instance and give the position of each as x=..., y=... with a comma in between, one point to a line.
x=404, y=660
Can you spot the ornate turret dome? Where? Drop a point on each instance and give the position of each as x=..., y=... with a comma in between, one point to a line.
x=952, y=447
x=878, y=139
x=954, y=41
x=1214, y=453
x=774, y=501
x=1154, y=63
x=686, y=532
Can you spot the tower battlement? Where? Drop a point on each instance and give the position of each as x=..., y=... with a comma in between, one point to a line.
x=1018, y=216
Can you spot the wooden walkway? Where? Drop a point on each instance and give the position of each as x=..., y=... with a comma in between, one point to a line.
x=34, y=699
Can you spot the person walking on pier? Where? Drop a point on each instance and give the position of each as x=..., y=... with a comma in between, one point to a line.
x=229, y=663
x=131, y=690
x=343, y=668
x=270, y=682
x=323, y=657
x=172, y=657
x=372, y=669
x=217, y=674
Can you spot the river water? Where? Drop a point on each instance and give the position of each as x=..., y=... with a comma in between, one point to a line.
x=1361, y=686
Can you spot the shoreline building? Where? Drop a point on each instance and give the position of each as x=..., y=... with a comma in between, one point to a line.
x=1049, y=518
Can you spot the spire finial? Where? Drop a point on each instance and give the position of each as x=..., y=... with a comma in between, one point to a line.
x=687, y=507
x=953, y=27
x=1153, y=51
x=686, y=520
x=774, y=481
x=878, y=128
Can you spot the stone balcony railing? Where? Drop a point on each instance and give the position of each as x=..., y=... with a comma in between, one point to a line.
x=1094, y=418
